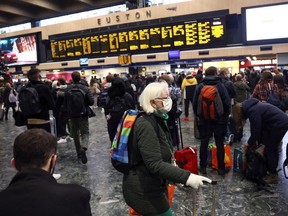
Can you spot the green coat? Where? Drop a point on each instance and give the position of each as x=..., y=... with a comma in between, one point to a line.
x=241, y=91
x=144, y=188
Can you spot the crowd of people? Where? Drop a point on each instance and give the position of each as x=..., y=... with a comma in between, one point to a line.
x=244, y=95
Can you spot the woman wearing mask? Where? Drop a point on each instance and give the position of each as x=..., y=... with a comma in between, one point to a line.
x=144, y=188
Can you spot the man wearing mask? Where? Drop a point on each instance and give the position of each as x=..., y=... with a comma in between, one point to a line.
x=33, y=191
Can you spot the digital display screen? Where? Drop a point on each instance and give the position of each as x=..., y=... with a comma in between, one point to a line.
x=194, y=34
x=268, y=24
x=20, y=50
x=83, y=61
x=174, y=54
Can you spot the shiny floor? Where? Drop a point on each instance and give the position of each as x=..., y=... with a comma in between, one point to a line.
x=233, y=196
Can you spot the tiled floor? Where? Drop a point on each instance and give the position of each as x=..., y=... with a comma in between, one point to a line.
x=233, y=196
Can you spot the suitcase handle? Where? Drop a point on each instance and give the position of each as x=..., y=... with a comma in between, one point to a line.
x=192, y=149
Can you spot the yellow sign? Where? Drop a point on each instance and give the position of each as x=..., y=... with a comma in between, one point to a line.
x=124, y=59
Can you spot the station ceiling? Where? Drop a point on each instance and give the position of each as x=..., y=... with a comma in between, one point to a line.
x=14, y=12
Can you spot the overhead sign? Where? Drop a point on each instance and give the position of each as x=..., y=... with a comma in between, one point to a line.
x=194, y=34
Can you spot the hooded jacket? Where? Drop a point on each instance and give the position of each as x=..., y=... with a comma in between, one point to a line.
x=214, y=80
x=241, y=91
x=263, y=117
x=188, y=86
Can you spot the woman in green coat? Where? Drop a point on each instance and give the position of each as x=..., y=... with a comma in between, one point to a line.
x=145, y=187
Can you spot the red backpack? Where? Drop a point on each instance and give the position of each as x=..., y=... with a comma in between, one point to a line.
x=210, y=104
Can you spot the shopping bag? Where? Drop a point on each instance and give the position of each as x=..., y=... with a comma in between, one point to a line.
x=227, y=157
x=186, y=158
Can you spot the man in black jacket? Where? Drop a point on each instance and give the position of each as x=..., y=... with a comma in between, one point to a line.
x=78, y=113
x=41, y=119
x=33, y=191
x=218, y=126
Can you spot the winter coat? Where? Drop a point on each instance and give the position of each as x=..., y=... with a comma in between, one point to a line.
x=263, y=117
x=145, y=186
x=188, y=87
x=214, y=80
x=241, y=91
x=6, y=94
x=229, y=86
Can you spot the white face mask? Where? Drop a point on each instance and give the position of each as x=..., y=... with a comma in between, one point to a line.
x=167, y=105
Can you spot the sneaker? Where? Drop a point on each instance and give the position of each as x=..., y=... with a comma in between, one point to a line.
x=61, y=140
x=271, y=179
x=83, y=156
x=222, y=172
x=230, y=139
x=186, y=118
x=69, y=139
x=202, y=170
x=56, y=176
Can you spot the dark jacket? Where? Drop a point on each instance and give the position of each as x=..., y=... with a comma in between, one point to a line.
x=46, y=100
x=118, y=89
x=89, y=100
x=263, y=117
x=253, y=79
x=6, y=94
x=36, y=192
x=229, y=86
x=214, y=80
x=144, y=187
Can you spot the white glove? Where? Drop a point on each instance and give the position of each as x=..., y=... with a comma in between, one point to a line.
x=195, y=181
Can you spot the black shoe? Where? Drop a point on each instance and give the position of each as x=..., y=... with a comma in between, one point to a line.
x=203, y=170
x=83, y=156
x=222, y=172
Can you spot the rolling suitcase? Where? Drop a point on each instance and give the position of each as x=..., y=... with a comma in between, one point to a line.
x=52, y=122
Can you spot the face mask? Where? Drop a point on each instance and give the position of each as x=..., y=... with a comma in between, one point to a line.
x=167, y=105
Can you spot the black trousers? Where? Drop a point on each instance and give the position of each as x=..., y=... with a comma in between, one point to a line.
x=271, y=139
x=208, y=129
x=186, y=105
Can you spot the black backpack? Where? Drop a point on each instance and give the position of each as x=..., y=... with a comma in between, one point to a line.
x=256, y=167
x=117, y=106
x=76, y=106
x=29, y=101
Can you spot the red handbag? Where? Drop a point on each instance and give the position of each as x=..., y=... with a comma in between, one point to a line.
x=186, y=158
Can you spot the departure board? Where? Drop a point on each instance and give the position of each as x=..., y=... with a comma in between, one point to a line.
x=194, y=34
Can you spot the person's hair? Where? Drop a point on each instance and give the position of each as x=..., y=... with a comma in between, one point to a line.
x=152, y=91
x=76, y=77
x=62, y=81
x=33, y=148
x=167, y=78
x=278, y=79
x=211, y=71
x=8, y=85
x=237, y=115
x=109, y=78
x=238, y=77
x=266, y=76
x=223, y=72
x=33, y=74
